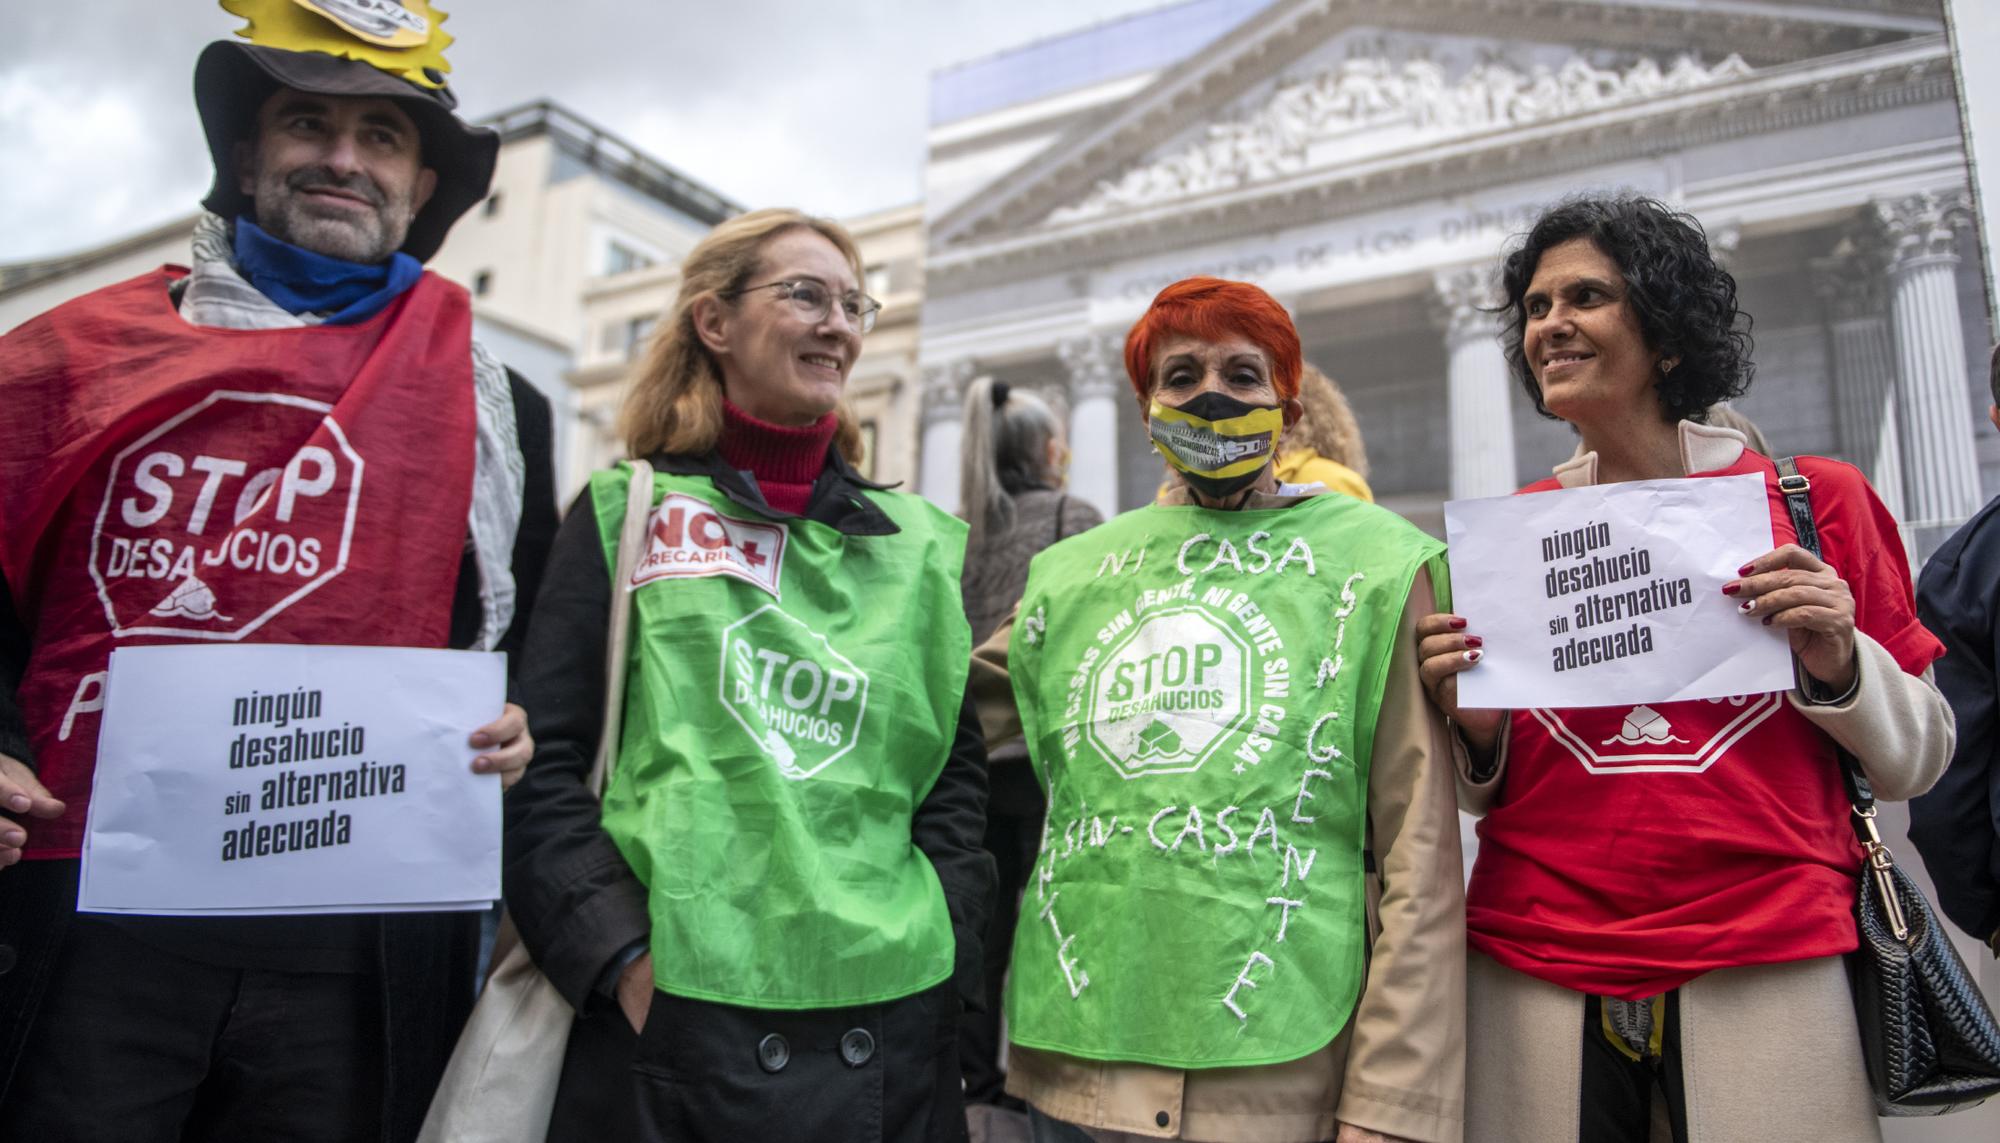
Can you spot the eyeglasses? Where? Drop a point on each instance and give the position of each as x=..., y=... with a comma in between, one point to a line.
x=812, y=300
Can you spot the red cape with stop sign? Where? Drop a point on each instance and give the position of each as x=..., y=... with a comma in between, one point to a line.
x=168, y=483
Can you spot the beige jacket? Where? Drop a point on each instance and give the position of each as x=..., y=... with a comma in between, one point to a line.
x=1897, y=725
x=1398, y=1068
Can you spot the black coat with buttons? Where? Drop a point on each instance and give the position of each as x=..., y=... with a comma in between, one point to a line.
x=878, y=1073
x=704, y=1070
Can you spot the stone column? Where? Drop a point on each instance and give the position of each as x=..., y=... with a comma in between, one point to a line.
x=1723, y=243
x=1940, y=469
x=1852, y=286
x=943, y=406
x=1096, y=385
x=1477, y=380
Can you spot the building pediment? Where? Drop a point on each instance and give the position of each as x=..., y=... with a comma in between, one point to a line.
x=1258, y=108
x=1365, y=108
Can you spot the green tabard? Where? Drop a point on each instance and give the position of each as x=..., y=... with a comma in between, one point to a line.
x=793, y=692
x=1198, y=690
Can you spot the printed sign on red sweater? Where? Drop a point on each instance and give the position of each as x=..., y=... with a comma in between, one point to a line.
x=1645, y=741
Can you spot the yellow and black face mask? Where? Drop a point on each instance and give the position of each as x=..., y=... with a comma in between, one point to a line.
x=1218, y=443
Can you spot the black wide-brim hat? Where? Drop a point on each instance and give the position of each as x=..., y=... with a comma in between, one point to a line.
x=232, y=81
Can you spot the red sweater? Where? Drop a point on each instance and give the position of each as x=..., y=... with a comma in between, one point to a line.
x=784, y=461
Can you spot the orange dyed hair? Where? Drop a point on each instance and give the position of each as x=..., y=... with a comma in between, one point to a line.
x=1213, y=309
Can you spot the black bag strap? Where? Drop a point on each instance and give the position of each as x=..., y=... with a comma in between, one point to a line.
x=1797, y=499
x=1797, y=490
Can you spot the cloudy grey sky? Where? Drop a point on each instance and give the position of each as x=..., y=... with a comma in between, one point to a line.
x=810, y=103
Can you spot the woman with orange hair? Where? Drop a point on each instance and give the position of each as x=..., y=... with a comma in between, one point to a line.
x=1246, y=920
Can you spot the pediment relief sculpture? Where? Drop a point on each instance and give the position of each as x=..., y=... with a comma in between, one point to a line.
x=1346, y=111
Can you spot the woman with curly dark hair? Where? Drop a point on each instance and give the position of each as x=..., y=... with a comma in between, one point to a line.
x=1663, y=893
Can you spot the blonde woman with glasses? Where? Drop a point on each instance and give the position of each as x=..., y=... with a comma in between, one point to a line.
x=767, y=926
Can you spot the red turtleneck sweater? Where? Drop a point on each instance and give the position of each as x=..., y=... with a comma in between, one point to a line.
x=784, y=461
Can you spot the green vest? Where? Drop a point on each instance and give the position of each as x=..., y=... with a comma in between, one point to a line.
x=1198, y=690
x=793, y=692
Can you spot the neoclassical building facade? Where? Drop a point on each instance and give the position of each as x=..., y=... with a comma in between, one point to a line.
x=1367, y=161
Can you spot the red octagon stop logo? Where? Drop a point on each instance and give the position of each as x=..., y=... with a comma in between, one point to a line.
x=1641, y=740
x=197, y=540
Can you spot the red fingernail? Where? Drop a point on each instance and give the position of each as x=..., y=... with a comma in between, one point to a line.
x=1473, y=656
x=1474, y=641
x=1457, y=623
x=1767, y=620
x=1731, y=588
x=1745, y=569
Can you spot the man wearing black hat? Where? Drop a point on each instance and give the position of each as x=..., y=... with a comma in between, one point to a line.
x=190, y=466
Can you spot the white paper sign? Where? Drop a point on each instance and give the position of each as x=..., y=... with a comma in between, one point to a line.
x=1612, y=594
x=293, y=779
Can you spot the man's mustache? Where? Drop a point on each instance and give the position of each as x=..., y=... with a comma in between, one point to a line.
x=323, y=178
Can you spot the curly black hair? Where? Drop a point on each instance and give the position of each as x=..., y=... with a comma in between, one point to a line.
x=1685, y=303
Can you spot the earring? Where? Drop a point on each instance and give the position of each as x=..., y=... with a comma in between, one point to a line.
x=1667, y=365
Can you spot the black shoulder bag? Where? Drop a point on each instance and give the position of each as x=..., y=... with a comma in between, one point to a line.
x=1929, y=1038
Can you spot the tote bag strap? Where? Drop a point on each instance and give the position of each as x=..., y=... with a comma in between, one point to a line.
x=631, y=543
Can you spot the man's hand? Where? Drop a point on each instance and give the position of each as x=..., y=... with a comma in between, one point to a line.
x=511, y=745
x=20, y=793
x=635, y=991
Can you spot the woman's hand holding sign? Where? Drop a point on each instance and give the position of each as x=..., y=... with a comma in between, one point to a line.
x=1795, y=591
x=1444, y=648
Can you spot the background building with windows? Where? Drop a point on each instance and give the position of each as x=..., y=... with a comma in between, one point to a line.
x=1366, y=161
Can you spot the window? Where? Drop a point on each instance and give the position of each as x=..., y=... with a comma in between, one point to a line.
x=628, y=338
x=637, y=330
x=482, y=283
x=875, y=281
x=622, y=259
x=492, y=204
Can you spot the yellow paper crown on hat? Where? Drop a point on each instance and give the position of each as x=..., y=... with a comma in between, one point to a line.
x=401, y=37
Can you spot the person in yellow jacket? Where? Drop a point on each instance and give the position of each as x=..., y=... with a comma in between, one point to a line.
x=1324, y=447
